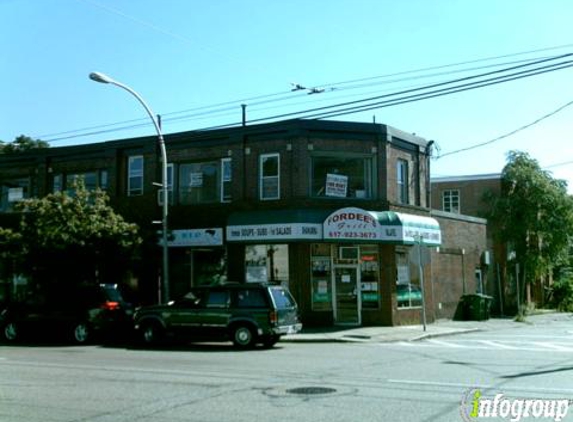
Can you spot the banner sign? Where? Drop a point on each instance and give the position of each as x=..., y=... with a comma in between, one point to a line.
x=286, y=231
x=196, y=237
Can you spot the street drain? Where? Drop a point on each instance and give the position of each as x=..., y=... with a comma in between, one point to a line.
x=311, y=390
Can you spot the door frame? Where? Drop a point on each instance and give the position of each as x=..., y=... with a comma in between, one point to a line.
x=355, y=267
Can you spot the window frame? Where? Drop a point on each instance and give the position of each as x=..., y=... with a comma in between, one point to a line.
x=139, y=174
x=368, y=181
x=224, y=179
x=402, y=181
x=448, y=196
x=263, y=178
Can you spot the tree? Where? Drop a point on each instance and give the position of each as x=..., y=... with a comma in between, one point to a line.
x=75, y=237
x=534, y=215
x=22, y=143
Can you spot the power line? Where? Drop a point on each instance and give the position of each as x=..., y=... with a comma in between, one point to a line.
x=513, y=132
x=226, y=108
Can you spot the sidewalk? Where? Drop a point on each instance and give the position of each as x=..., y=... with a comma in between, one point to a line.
x=409, y=332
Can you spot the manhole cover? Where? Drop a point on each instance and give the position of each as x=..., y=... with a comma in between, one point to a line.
x=311, y=390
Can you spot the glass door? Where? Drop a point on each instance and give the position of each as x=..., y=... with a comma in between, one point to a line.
x=347, y=303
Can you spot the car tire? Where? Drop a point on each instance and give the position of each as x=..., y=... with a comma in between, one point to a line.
x=270, y=340
x=11, y=332
x=243, y=336
x=81, y=333
x=151, y=333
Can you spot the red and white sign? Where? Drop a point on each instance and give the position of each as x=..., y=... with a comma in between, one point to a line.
x=351, y=224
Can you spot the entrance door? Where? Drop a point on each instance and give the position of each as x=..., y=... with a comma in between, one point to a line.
x=346, y=290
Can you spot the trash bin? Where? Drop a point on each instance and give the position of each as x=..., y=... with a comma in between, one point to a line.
x=476, y=307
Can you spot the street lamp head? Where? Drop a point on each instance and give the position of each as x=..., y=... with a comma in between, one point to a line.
x=100, y=77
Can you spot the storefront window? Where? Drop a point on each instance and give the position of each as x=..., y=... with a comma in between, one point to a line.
x=370, y=277
x=342, y=177
x=267, y=264
x=321, y=278
x=408, y=292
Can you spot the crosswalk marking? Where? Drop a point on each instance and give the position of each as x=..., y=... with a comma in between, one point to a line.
x=559, y=346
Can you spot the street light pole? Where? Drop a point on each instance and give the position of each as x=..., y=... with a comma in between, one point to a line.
x=100, y=77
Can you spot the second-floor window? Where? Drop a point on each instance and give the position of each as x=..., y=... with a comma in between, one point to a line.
x=91, y=179
x=135, y=175
x=205, y=182
x=451, y=200
x=269, y=176
x=403, y=184
x=337, y=176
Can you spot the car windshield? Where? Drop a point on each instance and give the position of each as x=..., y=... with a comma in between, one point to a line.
x=282, y=298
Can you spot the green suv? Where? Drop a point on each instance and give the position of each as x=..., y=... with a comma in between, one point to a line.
x=244, y=313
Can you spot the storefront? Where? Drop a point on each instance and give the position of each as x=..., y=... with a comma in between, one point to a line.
x=341, y=266
x=197, y=256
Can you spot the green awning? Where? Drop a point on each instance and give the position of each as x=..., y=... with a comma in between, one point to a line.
x=358, y=225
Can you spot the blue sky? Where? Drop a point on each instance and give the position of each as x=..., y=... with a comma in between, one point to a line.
x=187, y=56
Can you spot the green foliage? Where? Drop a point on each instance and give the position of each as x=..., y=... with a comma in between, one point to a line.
x=561, y=294
x=22, y=143
x=75, y=236
x=533, y=214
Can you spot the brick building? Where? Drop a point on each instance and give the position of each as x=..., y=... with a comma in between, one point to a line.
x=331, y=209
x=465, y=195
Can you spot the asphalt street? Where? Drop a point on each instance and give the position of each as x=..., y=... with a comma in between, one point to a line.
x=426, y=380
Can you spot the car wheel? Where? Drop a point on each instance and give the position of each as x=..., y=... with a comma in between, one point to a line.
x=81, y=333
x=151, y=333
x=11, y=332
x=243, y=336
x=270, y=340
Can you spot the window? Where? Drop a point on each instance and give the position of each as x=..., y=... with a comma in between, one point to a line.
x=135, y=175
x=13, y=191
x=170, y=169
x=451, y=200
x=227, y=179
x=408, y=291
x=217, y=299
x=200, y=182
x=250, y=298
x=402, y=181
x=269, y=183
x=92, y=180
x=267, y=264
x=342, y=177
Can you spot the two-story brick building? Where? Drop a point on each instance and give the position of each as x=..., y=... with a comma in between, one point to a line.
x=331, y=209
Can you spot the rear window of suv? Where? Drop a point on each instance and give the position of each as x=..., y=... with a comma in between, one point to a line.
x=282, y=298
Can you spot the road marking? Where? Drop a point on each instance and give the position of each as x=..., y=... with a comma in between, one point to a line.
x=481, y=386
x=553, y=346
x=447, y=344
x=498, y=345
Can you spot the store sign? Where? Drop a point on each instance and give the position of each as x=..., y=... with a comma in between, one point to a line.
x=196, y=237
x=286, y=231
x=352, y=224
x=336, y=185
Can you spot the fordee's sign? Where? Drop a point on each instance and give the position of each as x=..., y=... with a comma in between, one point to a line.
x=351, y=224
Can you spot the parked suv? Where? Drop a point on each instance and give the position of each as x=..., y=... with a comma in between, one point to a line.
x=244, y=313
x=77, y=313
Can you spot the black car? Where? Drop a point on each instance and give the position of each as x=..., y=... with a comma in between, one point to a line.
x=244, y=313
x=79, y=314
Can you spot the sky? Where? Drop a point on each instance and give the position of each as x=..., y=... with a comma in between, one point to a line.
x=196, y=61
